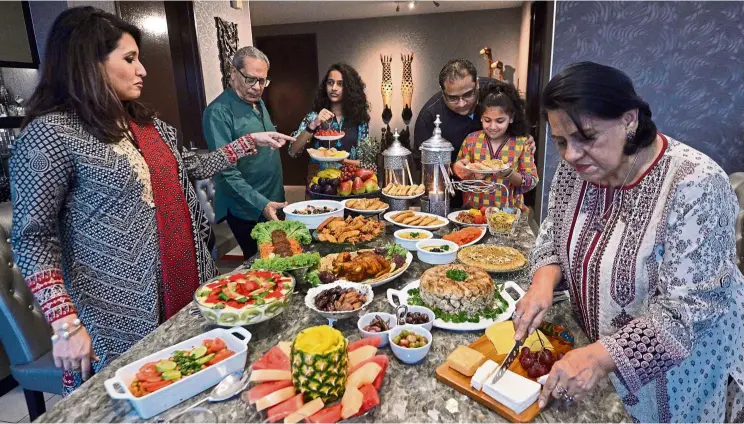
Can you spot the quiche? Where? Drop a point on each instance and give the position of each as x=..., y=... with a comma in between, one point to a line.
x=457, y=288
x=492, y=258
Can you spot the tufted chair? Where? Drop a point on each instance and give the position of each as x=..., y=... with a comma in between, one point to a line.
x=737, y=182
x=224, y=240
x=25, y=333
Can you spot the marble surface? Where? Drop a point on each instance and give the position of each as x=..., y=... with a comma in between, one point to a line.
x=410, y=393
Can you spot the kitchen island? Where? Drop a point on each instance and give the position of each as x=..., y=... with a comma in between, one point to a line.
x=410, y=393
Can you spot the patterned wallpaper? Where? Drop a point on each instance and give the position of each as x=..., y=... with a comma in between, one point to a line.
x=206, y=29
x=685, y=58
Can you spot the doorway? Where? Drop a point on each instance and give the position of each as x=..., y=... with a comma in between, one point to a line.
x=290, y=96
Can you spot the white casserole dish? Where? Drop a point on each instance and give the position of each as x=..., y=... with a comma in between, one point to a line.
x=313, y=221
x=154, y=403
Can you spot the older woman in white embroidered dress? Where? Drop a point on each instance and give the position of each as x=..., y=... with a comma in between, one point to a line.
x=641, y=227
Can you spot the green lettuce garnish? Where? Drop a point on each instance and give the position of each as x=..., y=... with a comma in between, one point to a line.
x=293, y=229
x=279, y=264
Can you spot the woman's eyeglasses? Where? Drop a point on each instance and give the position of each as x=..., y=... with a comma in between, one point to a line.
x=251, y=81
x=468, y=96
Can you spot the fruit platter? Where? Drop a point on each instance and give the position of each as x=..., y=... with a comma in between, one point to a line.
x=319, y=377
x=244, y=297
x=329, y=135
x=232, y=348
x=341, y=183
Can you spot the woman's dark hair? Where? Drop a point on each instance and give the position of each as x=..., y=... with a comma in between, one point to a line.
x=73, y=78
x=354, y=101
x=506, y=96
x=591, y=89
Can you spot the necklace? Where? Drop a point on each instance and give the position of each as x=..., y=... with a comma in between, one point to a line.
x=601, y=223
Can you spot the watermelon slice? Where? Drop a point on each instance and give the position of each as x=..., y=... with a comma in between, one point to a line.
x=265, y=389
x=370, y=400
x=382, y=361
x=274, y=359
x=279, y=412
x=367, y=341
x=330, y=414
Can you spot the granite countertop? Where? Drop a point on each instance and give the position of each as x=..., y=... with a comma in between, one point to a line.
x=410, y=393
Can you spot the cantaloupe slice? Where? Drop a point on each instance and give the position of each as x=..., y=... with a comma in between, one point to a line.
x=366, y=374
x=275, y=398
x=360, y=355
x=286, y=347
x=351, y=403
x=306, y=411
x=259, y=376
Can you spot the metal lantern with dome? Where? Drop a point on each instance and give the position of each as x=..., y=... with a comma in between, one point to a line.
x=435, y=164
x=397, y=170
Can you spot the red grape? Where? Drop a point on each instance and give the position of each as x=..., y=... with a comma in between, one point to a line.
x=527, y=361
x=525, y=351
x=559, y=357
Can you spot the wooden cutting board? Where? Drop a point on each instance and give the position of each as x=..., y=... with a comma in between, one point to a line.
x=461, y=383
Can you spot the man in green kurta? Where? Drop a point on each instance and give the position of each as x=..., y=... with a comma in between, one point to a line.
x=252, y=190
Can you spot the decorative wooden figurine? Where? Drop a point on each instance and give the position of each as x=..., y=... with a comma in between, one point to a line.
x=406, y=89
x=387, y=88
x=495, y=69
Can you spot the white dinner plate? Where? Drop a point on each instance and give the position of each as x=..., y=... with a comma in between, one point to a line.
x=453, y=217
x=388, y=218
x=365, y=211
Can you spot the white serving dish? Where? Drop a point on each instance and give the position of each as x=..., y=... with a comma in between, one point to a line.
x=330, y=137
x=437, y=258
x=332, y=316
x=423, y=310
x=363, y=211
x=452, y=216
x=366, y=319
x=408, y=355
x=413, y=196
x=411, y=244
x=402, y=299
x=377, y=283
x=154, y=403
x=388, y=218
x=338, y=158
x=313, y=221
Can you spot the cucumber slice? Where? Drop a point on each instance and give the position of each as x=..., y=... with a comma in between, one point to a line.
x=198, y=352
x=164, y=366
x=171, y=375
x=204, y=360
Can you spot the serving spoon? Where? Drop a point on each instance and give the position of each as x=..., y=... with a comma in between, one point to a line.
x=227, y=388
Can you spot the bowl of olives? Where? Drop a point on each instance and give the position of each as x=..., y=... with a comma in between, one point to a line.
x=415, y=315
x=410, y=343
x=377, y=324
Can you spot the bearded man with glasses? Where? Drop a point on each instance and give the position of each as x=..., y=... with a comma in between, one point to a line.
x=252, y=190
x=457, y=107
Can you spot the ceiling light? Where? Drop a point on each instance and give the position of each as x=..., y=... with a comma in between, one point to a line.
x=411, y=5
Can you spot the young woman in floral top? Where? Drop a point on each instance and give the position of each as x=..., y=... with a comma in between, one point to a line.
x=503, y=137
x=340, y=104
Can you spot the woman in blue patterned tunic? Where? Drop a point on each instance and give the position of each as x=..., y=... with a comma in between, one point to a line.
x=641, y=227
x=107, y=229
x=340, y=104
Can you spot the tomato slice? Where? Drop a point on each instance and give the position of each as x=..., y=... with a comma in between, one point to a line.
x=151, y=387
x=217, y=346
x=276, y=294
x=221, y=356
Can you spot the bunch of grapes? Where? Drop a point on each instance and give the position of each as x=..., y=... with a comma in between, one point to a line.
x=537, y=364
x=348, y=172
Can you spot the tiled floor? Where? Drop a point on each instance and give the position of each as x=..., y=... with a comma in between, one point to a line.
x=13, y=406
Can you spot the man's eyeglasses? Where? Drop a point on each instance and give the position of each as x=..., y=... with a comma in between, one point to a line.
x=465, y=97
x=251, y=81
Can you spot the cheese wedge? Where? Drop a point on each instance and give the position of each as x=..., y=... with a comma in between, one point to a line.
x=465, y=360
x=483, y=373
x=513, y=391
x=501, y=335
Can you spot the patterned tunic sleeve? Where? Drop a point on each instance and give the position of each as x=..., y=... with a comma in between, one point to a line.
x=467, y=148
x=527, y=170
x=363, y=131
x=303, y=125
x=41, y=172
x=545, y=251
x=695, y=274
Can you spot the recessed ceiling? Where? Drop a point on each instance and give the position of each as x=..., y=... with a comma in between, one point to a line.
x=290, y=12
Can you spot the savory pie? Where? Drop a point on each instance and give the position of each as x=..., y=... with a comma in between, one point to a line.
x=492, y=258
x=457, y=288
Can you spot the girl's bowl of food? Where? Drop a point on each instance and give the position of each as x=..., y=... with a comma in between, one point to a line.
x=410, y=343
x=437, y=252
x=409, y=237
x=377, y=324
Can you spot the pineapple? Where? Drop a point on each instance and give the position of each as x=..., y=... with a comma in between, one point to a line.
x=367, y=151
x=320, y=363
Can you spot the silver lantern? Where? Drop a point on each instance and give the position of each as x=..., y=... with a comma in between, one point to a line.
x=435, y=164
x=397, y=170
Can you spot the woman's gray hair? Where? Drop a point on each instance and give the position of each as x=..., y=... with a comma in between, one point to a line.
x=249, y=51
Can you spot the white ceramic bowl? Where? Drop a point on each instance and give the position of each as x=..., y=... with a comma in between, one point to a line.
x=437, y=258
x=411, y=244
x=367, y=319
x=426, y=311
x=315, y=291
x=313, y=221
x=407, y=355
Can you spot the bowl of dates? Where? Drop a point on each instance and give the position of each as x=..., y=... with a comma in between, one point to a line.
x=342, y=299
